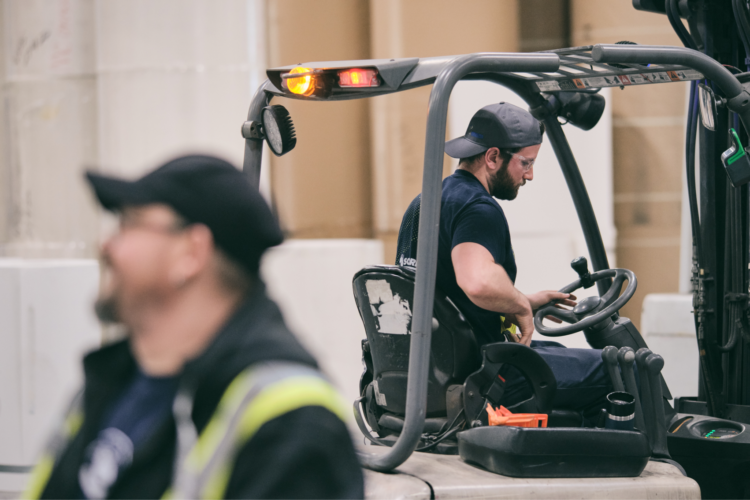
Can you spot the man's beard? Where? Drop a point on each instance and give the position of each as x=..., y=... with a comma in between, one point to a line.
x=502, y=186
x=106, y=305
x=106, y=309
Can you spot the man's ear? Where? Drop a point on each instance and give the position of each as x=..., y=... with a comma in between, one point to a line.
x=198, y=251
x=493, y=159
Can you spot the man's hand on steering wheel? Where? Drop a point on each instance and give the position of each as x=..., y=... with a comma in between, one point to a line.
x=525, y=320
x=539, y=299
x=544, y=297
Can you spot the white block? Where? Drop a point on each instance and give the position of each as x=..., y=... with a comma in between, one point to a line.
x=46, y=324
x=668, y=328
x=312, y=282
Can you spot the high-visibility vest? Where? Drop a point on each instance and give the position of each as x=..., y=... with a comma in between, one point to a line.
x=203, y=464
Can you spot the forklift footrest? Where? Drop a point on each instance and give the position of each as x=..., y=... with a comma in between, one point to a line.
x=555, y=452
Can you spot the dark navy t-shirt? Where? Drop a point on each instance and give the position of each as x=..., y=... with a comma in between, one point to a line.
x=142, y=407
x=468, y=214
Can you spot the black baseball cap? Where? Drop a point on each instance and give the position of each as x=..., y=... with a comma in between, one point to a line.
x=206, y=190
x=501, y=125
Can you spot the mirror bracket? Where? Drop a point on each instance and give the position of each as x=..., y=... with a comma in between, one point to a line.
x=253, y=130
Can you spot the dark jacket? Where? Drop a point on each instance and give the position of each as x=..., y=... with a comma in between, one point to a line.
x=305, y=453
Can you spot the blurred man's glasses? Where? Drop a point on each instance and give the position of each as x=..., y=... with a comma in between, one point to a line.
x=129, y=221
x=526, y=163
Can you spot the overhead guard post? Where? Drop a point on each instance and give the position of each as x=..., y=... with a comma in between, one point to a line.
x=429, y=220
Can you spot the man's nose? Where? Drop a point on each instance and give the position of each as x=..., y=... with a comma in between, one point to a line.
x=529, y=174
x=106, y=245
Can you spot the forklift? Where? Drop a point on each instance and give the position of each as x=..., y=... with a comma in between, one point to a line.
x=427, y=385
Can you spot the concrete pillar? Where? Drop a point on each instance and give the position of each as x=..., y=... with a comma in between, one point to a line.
x=48, y=129
x=173, y=78
x=648, y=138
x=421, y=28
x=48, y=132
x=322, y=188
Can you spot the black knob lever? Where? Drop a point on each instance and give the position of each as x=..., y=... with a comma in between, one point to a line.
x=581, y=266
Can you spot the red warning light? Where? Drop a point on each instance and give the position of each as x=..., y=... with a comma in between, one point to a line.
x=357, y=77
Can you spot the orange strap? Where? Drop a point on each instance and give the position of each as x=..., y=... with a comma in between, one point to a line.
x=503, y=416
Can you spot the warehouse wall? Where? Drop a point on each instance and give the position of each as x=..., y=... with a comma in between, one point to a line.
x=49, y=129
x=322, y=189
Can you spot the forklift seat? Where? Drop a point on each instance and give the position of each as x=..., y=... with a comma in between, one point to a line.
x=384, y=296
x=384, y=299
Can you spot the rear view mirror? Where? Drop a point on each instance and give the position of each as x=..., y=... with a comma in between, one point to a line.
x=707, y=101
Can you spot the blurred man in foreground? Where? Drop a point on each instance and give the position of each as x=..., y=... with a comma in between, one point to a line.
x=210, y=395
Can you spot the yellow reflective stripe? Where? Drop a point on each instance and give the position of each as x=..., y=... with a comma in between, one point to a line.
x=218, y=482
x=217, y=427
x=273, y=401
x=286, y=395
x=43, y=470
x=72, y=424
x=39, y=477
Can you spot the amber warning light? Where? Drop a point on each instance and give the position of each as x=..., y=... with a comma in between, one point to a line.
x=356, y=77
x=303, y=84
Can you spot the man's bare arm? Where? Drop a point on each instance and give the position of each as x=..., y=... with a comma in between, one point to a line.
x=488, y=285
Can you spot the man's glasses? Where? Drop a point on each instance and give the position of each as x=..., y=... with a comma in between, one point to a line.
x=526, y=163
x=130, y=221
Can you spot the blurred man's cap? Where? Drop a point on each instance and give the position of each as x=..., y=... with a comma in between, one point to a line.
x=205, y=190
x=501, y=125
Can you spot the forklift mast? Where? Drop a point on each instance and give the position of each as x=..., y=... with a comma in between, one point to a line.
x=719, y=212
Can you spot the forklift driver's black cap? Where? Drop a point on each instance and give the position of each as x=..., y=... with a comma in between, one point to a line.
x=205, y=190
x=502, y=125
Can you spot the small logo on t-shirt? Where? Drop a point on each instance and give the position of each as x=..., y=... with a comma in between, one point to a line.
x=111, y=452
x=407, y=261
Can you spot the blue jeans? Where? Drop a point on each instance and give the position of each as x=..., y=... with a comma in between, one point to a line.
x=582, y=379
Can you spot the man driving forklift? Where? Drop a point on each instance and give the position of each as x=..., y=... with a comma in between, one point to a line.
x=476, y=265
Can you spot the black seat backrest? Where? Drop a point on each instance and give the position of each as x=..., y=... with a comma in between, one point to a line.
x=385, y=299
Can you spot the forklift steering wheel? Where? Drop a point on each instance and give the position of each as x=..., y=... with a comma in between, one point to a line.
x=591, y=310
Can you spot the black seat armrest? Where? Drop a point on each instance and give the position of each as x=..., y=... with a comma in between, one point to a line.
x=527, y=361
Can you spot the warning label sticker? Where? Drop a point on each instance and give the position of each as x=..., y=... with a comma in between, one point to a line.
x=548, y=85
x=620, y=80
x=638, y=79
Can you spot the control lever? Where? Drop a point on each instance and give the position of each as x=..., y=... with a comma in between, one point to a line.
x=648, y=402
x=609, y=355
x=626, y=356
x=654, y=364
x=581, y=266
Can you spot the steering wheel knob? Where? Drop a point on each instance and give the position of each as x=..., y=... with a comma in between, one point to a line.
x=586, y=306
